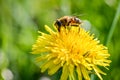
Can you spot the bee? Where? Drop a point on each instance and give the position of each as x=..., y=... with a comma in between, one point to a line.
x=67, y=21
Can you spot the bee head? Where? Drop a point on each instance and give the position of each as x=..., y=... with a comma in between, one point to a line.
x=77, y=20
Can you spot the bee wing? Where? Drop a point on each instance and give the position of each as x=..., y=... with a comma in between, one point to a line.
x=86, y=25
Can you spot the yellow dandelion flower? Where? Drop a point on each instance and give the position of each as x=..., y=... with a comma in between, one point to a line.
x=73, y=50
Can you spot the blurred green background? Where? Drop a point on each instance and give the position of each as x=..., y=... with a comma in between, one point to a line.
x=21, y=19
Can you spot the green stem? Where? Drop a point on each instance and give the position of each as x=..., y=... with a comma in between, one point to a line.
x=115, y=20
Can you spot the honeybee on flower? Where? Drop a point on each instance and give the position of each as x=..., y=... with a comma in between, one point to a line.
x=71, y=49
x=67, y=21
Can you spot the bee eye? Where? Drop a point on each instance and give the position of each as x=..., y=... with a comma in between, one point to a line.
x=58, y=23
x=78, y=20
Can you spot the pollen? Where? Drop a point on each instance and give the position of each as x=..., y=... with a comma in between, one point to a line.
x=73, y=50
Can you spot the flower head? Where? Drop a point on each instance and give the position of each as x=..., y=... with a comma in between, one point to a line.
x=73, y=50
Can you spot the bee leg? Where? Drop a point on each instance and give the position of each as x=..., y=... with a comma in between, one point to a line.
x=79, y=29
x=69, y=25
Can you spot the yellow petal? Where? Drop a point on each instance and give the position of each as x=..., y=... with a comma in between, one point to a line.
x=40, y=58
x=49, y=30
x=78, y=69
x=97, y=72
x=65, y=72
x=85, y=73
x=53, y=69
x=71, y=70
x=46, y=65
